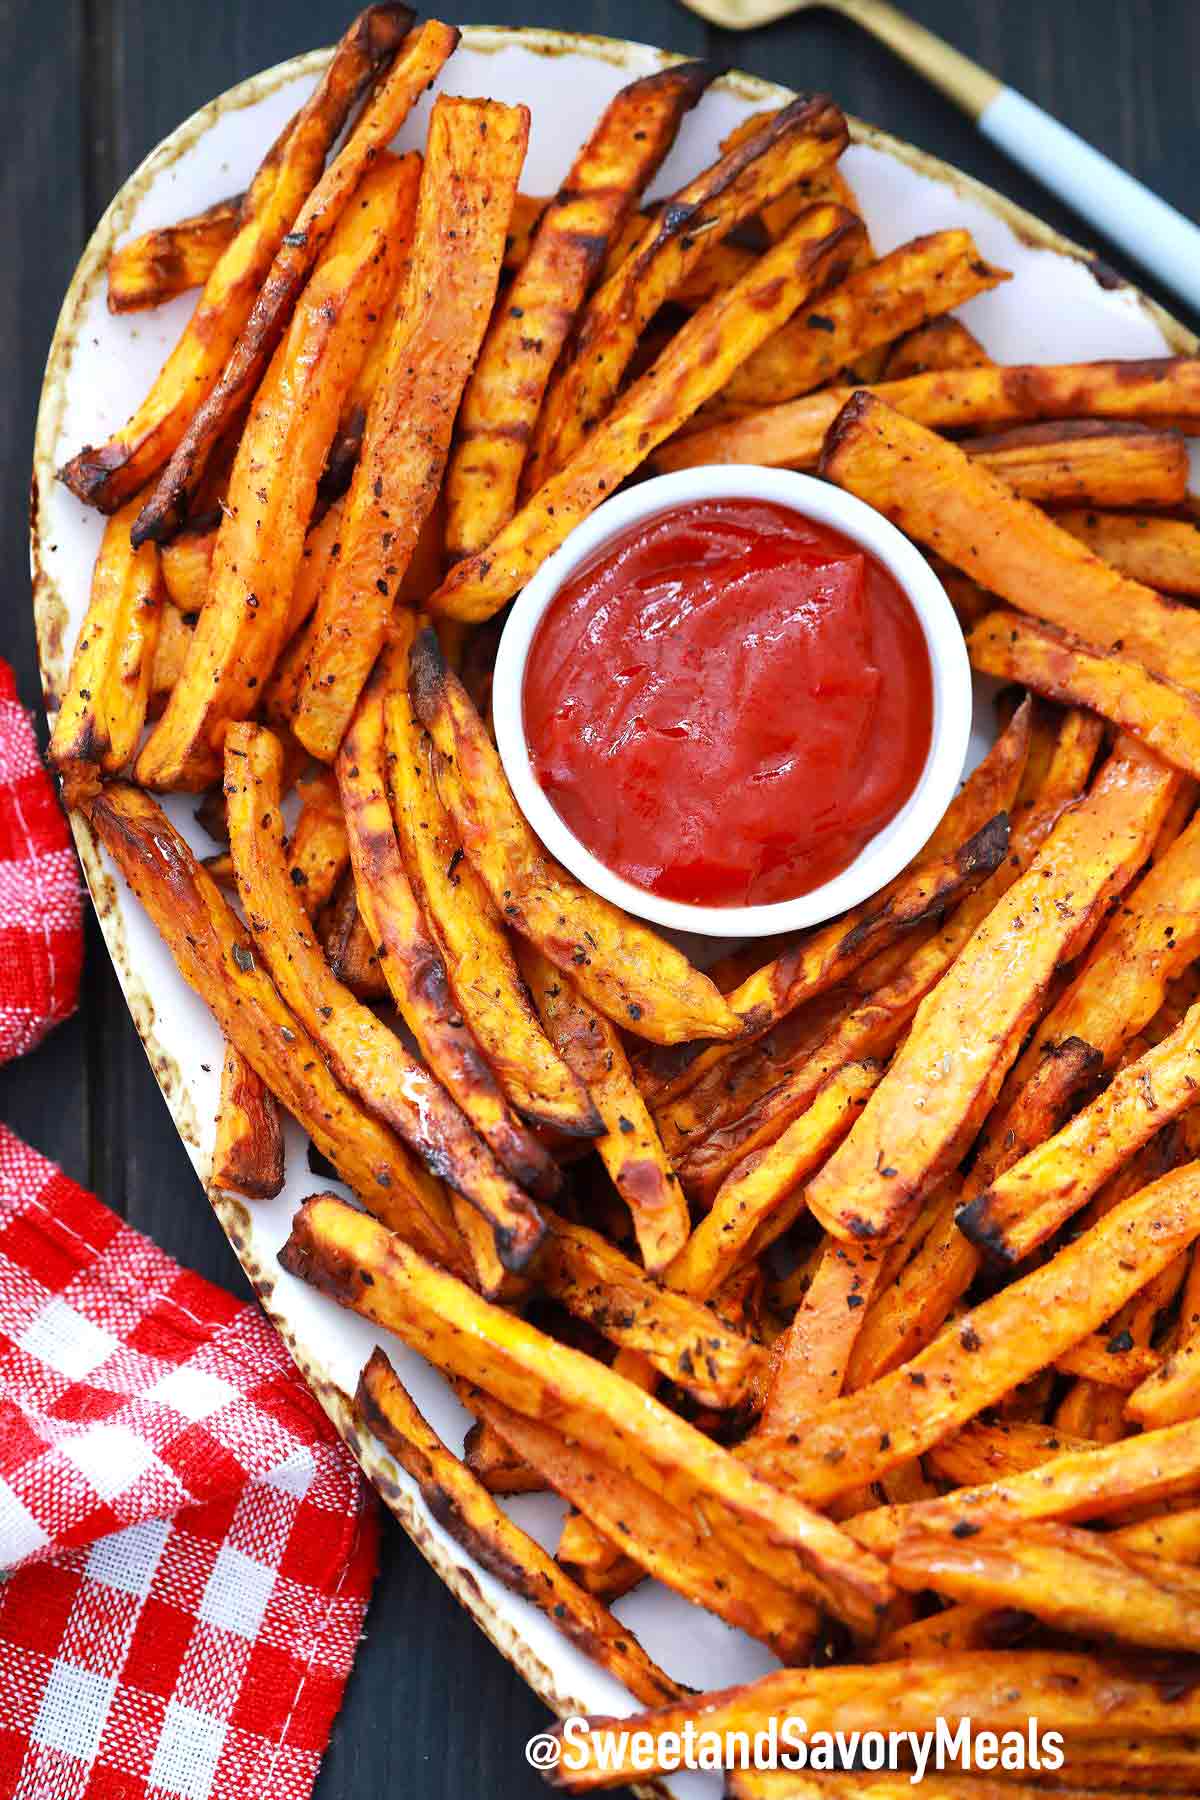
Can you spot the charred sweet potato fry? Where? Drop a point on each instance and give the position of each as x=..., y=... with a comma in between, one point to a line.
x=630, y=1147
x=805, y=136
x=411, y=961
x=248, y=1152
x=104, y=708
x=186, y=568
x=1161, y=553
x=416, y=63
x=936, y=493
x=627, y=971
x=957, y=399
x=347, y=943
x=505, y=389
x=216, y=957
x=1132, y=696
x=475, y=948
x=106, y=476
x=992, y=1348
x=871, y=307
x=468, y=1512
x=1082, y=462
x=473, y=160
x=942, y=343
x=257, y=558
x=332, y=1245
x=695, y=364
x=170, y=259
x=366, y=1057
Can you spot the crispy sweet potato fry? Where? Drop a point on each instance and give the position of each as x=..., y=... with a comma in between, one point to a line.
x=695, y=364
x=215, y=957
x=942, y=343
x=412, y=964
x=1161, y=553
x=969, y=1030
x=993, y=1347
x=810, y=1365
x=1064, y=668
x=248, y=613
x=332, y=1245
x=1026, y=1205
x=803, y=137
x=680, y=1338
x=1109, y=1362
x=104, y=708
x=475, y=948
x=170, y=654
x=497, y=1467
x=186, y=566
x=169, y=260
x=347, y=944
x=366, y=1057
x=1082, y=1697
x=870, y=308
x=317, y=847
x=1084, y=462
x=1171, y=1393
x=504, y=392
x=470, y=1515
x=936, y=493
x=630, y=1147
x=248, y=1151
x=473, y=159
x=106, y=476
x=322, y=548
x=527, y=211
x=666, y=1539
x=627, y=971
x=792, y=435
x=982, y=1454
x=416, y=63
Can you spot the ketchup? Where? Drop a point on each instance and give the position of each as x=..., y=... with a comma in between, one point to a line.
x=728, y=702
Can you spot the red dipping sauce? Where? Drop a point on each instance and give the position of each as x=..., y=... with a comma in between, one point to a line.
x=727, y=702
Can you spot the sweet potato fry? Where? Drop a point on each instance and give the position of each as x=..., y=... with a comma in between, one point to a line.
x=216, y=958
x=104, y=708
x=1170, y=1394
x=411, y=961
x=871, y=307
x=475, y=947
x=186, y=567
x=170, y=653
x=811, y=1361
x=695, y=364
x=792, y=435
x=471, y=1516
x=473, y=159
x=765, y=1193
x=415, y=64
x=527, y=211
x=322, y=548
x=497, y=1467
x=318, y=851
x=365, y=1056
x=347, y=944
x=631, y=974
x=630, y=1147
x=248, y=1152
x=169, y=260
x=1108, y=1362
x=504, y=392
x=942, y=343
x=1082, y=1697
x=981, y=1454
x=680, y=1338
x=257, y=558
x=1083, y=462
x=993, y=1347
x=1104, y=1772
x=332, y=1244
x=936, y=493
x=1026, y=1205
x=667, y=1540
x=1051, y=662
x=1067, y=1577
x=108, y=475
x=969, y=1030
x=1161, y=553
x=803, y=137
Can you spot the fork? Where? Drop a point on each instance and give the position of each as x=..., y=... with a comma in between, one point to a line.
x=1126, y=212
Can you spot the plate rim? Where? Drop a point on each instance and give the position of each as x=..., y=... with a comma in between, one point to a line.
x=234, y=1214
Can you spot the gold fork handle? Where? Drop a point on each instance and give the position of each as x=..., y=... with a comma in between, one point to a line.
x=960, y=79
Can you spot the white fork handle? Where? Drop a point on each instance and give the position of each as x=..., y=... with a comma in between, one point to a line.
x=1125, y=211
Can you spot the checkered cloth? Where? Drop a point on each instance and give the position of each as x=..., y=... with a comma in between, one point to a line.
x=188, y=1547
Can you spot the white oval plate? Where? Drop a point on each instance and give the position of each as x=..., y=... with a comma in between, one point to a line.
x=1054, y=309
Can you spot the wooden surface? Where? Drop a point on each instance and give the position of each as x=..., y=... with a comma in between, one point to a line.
x=92, y=85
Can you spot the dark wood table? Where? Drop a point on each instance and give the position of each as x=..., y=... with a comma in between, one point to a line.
x=92, y=86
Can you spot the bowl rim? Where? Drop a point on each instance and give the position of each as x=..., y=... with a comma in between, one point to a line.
x=896, y=842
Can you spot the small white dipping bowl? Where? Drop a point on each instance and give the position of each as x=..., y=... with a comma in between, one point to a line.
x=895, y=844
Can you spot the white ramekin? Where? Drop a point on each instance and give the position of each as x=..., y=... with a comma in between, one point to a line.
x=891, y=847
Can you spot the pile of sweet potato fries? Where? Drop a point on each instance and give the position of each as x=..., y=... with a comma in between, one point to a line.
x=873, y=1325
